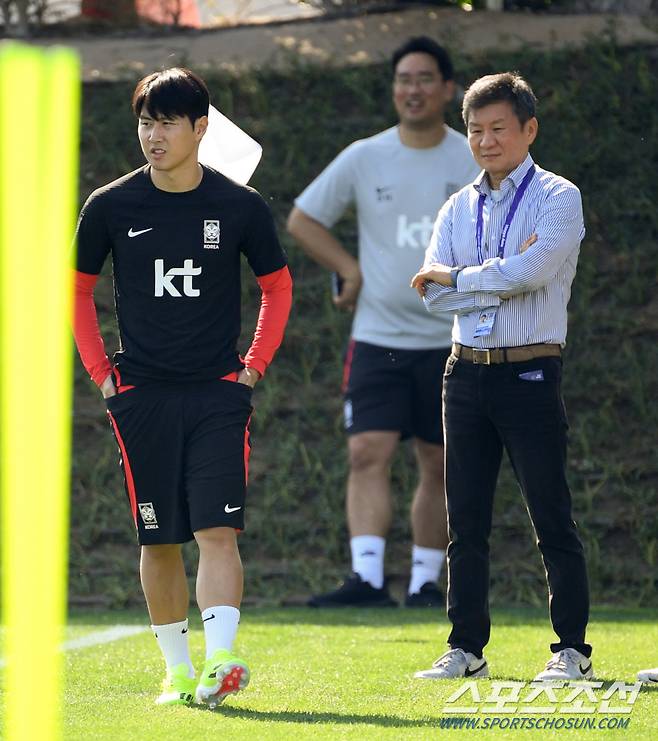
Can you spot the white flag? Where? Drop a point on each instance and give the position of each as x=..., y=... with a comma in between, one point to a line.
x=226, y=148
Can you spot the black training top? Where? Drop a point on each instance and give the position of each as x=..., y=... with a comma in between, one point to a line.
x=176, y=260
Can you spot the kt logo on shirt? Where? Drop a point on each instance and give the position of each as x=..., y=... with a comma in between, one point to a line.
x=414, y=234
x=165, y=281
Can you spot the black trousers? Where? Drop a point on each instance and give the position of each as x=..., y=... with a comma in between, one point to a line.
x=488, y=408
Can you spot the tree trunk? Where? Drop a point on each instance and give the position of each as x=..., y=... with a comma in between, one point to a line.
x=22, y=24
x=119, y=12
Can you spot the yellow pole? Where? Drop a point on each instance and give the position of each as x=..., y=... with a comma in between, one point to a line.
x=39, y=129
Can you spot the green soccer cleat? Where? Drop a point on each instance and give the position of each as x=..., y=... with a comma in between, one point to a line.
x=223, y=674
x=177, y=688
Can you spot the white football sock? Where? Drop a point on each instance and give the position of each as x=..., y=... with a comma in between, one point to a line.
x=172, y=639
x=220, y=625
x=425, y=567
x=368, y=558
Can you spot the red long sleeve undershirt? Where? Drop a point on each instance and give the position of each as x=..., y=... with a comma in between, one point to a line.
x=275, y=303
x=86, y=331
x=276, y=300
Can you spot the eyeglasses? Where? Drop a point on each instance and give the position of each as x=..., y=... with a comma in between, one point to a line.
x=407, y=81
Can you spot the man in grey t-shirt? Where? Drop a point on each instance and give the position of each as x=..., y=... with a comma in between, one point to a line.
x=398, y=180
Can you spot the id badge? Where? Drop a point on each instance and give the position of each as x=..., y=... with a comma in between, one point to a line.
x=485, y=323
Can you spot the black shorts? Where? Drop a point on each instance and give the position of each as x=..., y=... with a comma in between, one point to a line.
x=398, y=390
x=184, y=450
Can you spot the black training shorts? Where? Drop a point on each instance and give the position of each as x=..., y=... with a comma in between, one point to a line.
x=398, y=390
x=184, y=449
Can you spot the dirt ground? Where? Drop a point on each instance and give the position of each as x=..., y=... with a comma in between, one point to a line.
x=356, y=40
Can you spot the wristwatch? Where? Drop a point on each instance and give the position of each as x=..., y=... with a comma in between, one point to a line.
x=454, y=273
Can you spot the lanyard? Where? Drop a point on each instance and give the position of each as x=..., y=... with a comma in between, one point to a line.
x=479, y=227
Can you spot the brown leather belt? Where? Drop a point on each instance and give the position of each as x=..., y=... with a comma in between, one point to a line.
x=505, y=354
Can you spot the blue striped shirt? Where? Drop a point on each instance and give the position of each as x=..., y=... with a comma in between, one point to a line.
x=529, y=291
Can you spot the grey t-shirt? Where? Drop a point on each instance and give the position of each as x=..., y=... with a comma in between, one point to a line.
x=398, y=191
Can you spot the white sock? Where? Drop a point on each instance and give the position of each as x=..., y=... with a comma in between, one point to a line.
x=220, y=624
x=425, y=566
x=368, y=558
x=172, y=639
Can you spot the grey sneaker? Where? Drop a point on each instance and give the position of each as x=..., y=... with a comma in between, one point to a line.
x=454, y=664
x=650, y=676
x=566, y=664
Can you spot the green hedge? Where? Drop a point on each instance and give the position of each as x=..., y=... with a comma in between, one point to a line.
x=598, y=127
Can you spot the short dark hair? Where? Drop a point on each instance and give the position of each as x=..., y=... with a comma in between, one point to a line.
x=505, y=86
x=173, y=92
x=425, y=45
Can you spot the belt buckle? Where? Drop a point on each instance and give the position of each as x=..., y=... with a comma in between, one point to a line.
x=481, y=356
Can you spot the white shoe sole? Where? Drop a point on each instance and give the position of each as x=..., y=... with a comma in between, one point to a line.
x=557, y=677
x=481, y=673
x=175, y=698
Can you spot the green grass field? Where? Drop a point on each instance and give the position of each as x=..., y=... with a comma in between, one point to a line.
x=343, y=674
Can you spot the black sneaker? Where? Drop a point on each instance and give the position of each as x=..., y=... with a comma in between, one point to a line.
x=429, y=596
x=354, y=592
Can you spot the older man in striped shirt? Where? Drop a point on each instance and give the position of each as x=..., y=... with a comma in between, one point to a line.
x=502, y=259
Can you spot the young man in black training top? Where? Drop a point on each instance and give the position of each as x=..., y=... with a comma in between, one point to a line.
x=178, y=394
